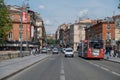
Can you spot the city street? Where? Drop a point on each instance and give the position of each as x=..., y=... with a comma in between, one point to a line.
x=59, y=40
x=57, y=67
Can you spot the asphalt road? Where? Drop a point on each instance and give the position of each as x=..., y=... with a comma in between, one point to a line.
x=57, y=67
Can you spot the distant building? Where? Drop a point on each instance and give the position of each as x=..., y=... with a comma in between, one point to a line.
x=61, y=35
x=50, y=36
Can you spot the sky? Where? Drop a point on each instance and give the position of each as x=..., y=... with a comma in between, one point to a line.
x=56, y=12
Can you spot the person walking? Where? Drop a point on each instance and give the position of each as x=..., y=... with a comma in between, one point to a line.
x=118, y=54
x=108, y=51
x=115, y=53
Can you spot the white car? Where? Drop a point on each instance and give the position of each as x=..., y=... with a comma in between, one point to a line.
x=44, y=50
x=69, y=52
x=55, y=50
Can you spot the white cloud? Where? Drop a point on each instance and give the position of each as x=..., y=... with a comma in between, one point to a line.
x=83, y=13
x=47, y=22
x=41, y=7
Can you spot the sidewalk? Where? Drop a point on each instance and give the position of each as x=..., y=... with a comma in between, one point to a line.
x=12, y=66
x=113, y=59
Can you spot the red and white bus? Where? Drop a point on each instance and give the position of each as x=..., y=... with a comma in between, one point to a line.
x=91, y=49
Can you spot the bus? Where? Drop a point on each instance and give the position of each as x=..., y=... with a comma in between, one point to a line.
x=91, y=49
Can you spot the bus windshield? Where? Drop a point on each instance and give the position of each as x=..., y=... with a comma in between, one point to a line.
x=96, y=45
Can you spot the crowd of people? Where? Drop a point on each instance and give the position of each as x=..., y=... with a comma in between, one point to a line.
x=112, y=52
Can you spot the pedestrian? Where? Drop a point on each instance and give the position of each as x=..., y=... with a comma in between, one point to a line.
x=115, y=52
x=118, y=54
x=108, y=50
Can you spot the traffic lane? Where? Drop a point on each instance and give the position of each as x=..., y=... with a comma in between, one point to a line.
x=78, y=69
x=48, y=69
x=113, y=66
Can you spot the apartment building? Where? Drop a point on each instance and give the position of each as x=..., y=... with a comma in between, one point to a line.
x=102, y=30
x=27, y=27
x=77, y=31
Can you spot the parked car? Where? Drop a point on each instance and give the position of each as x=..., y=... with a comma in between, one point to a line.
x=55, y=50
x=48, y=49
x=69, y=52
x=44, y=50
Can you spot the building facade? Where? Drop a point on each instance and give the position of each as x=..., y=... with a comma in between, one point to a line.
x=27, y=28
x=102, y=30
x=77, y=32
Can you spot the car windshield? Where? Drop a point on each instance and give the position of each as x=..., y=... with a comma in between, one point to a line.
x=69, y=50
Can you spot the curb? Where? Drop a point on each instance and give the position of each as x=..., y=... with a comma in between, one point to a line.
x=8, y=76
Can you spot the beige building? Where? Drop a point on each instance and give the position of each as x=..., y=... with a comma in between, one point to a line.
x=77, y=32
x=117, y=27
x=117, y=30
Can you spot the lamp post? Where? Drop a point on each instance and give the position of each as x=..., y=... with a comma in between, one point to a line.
x=21, y=25
x=27, y=8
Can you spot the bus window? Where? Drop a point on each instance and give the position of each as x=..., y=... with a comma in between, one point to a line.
x=96, y=45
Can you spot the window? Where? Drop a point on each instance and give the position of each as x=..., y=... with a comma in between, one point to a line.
x=108, y=35
x=96, y=45
x=10, y=35
x=108, y=26
x=21, y=27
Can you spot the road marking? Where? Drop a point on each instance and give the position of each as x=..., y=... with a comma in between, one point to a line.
x=62, y=77
x=106, y=69
x=62, y=72
x=116, y=73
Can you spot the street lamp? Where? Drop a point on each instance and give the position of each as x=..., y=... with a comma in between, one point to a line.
x=27, y=8
x=21, y=25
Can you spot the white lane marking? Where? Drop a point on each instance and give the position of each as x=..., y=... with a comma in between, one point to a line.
x=62, y=77
x=106, y=69
x=62, y=72
x=116, y=73
x=62, y=67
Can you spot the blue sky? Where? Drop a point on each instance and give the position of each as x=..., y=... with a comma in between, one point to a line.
x=57, y=12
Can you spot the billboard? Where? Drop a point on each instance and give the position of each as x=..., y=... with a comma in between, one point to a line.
x=24, y=17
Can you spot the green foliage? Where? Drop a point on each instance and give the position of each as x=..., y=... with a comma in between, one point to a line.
x=51, y=41
x=5, y=21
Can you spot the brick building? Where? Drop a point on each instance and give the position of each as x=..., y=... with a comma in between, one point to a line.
x=27, y=29
x=19, y=29
x=102, y=30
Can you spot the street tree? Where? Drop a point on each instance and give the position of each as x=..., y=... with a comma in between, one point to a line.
x=5, y=21
x=51, y=41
